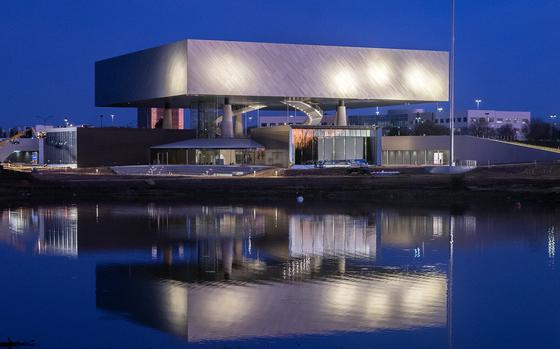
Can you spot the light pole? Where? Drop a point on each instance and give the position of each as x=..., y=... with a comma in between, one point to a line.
x=112, y=119
x=478, y=101
x=101, y=120
x=248, y=122
x=452, y=88
x=66, y=121
x=553, y=118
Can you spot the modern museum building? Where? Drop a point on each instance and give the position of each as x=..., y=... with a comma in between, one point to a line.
x=220, y=83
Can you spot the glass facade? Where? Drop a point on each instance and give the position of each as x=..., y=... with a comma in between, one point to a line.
x=310, y=145
x=61, y=148
x=23, y=157
x=207, y=156
x=421, y=157
x=202, y=118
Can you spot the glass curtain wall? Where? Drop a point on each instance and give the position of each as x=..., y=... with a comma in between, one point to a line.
x=419, y=157
x=207, y=156
x=61, y=148
x=312, y=145
x=202, y=118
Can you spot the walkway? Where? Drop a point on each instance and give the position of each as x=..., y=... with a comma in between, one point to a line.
x=187, y=170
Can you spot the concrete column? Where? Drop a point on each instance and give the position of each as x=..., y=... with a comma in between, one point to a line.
x=168, y=256
x=342, y=265
x=378, y=146
x=227, y=121
x=167, y=118
x=238, y=251
x=227, y=256
x=239, y=126
x=341, y=119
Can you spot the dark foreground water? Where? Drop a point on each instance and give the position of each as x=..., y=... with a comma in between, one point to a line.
x=306, y=276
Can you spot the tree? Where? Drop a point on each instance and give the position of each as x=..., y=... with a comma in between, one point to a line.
x=429, y=128
x=506, y=132
x=539, y=130
x=397, y=131
x=480, y=128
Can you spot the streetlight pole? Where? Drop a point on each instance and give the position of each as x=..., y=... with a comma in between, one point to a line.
x=478, y=101
x=553, y=118
x=452, y=87
x=101, y=120
x=112, y=119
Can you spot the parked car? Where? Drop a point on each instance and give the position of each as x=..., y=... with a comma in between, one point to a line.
x=336, y=164
x=358, y=163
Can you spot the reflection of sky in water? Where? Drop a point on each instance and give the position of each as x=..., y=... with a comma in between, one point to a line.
x=271, y=276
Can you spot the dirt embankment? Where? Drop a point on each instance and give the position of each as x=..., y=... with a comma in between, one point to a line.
x=539, y=183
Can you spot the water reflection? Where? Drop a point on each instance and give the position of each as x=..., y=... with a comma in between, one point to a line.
x=228, y=272
x=51, y=231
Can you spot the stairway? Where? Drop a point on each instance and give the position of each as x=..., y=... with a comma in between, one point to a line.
x=313, y=112
x=237, y=113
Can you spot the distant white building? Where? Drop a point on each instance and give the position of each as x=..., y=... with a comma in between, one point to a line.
x=495, y=119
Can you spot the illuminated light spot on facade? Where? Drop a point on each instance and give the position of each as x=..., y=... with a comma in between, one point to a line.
x=380, y=73
x=345, y=82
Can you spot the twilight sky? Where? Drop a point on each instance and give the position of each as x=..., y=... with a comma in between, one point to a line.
x=508, y=51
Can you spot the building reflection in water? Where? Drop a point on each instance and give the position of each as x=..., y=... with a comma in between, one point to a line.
x=227, y=272
x=242, y=272
x=332, y=235
x=50, y=231
x=252, y=272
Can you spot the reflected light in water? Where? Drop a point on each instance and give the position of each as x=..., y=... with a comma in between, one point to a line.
x=314, y=273
x=551, y=243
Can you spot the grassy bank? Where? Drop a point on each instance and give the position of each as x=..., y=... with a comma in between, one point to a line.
x=523, y=183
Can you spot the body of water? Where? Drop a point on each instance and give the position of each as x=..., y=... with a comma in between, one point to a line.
x=305, y=276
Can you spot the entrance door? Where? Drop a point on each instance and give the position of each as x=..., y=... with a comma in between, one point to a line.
x=438, y=158
x=162, y=158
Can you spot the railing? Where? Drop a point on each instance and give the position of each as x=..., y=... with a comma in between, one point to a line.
x=313, y=112
x=236, y=113
x=466, y=163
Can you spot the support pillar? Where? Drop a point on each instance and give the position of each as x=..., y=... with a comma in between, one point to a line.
x=238, y=126
x=168, y=256
x=227, y=121
x=341, y=119
x=167, y=118
x=227, y=256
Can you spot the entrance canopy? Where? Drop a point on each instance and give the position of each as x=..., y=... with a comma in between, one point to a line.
x=189, y=72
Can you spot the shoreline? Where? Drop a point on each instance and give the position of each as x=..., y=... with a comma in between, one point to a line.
x=481, y=187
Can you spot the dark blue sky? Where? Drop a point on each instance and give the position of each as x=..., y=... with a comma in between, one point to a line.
x=508, y=51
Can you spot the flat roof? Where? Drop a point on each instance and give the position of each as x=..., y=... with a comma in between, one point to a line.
x=208, y=71
x=212, y=143
x=334, y=127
